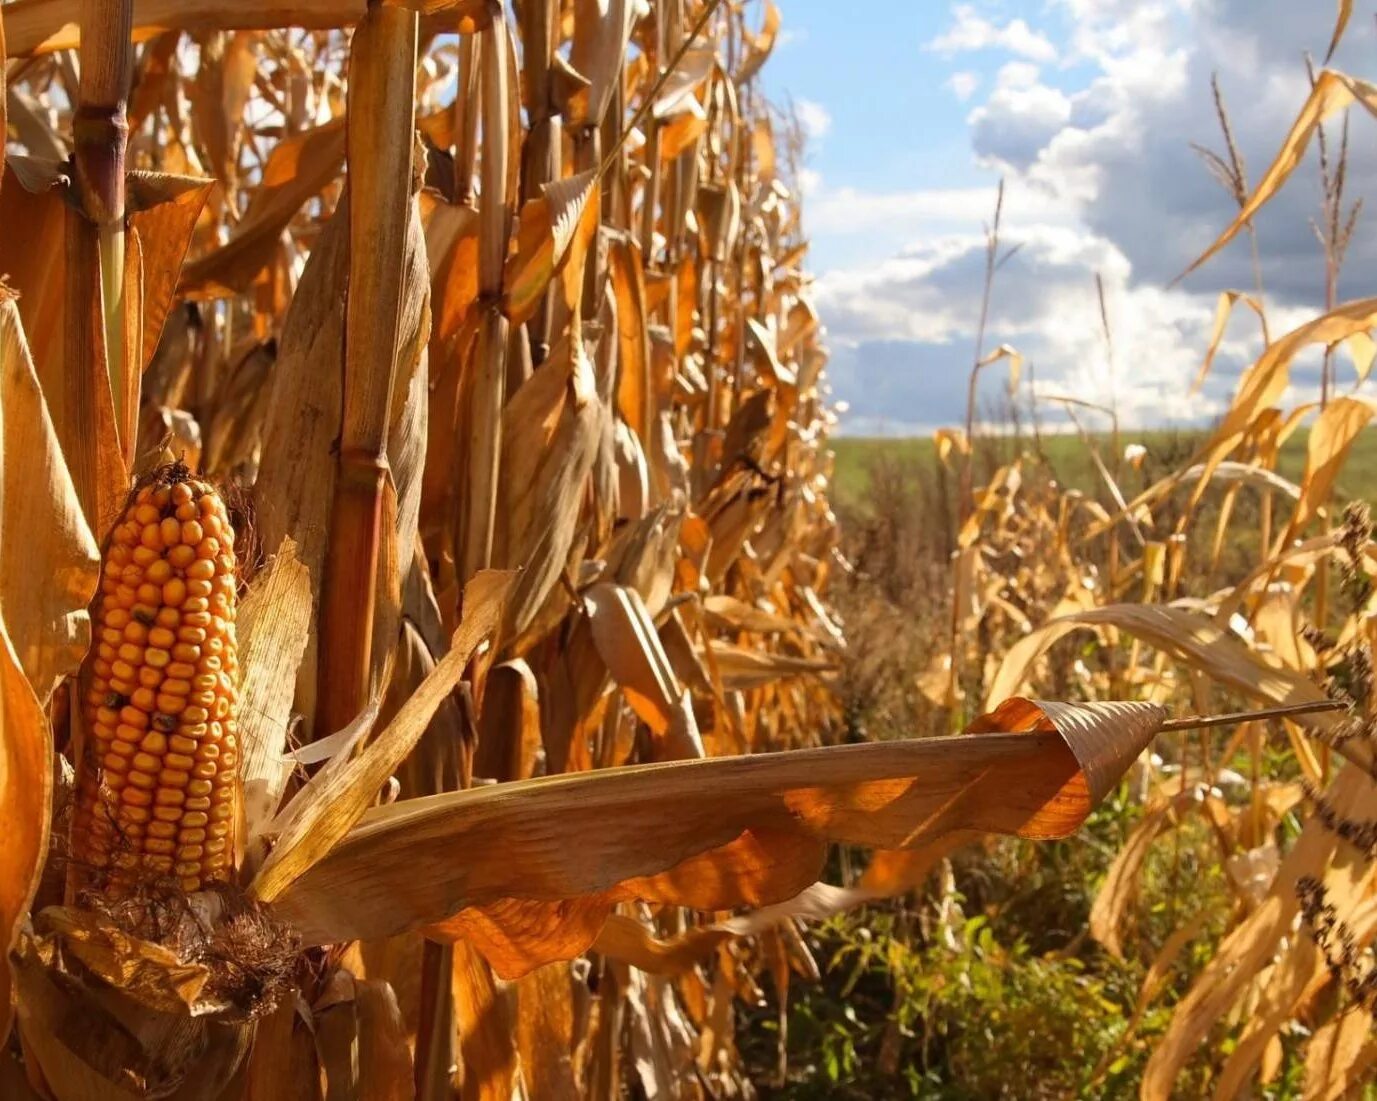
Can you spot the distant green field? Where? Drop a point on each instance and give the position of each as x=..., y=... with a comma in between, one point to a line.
x=1071, y=460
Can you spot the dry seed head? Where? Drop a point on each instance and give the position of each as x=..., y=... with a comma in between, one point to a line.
x=157, y=785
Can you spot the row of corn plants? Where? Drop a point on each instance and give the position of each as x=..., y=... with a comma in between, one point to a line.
x=1216, y=584
x=414, y=531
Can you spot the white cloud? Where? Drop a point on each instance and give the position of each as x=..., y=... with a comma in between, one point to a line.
x=971, y=31
x=963, y=84
x=814, y=118
x=1021, y=116
x=1101, y=178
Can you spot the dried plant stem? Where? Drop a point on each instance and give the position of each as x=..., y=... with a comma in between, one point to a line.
x=381, y=94
x=1282, y=711
x=541, y=154
x=484, y=429
x=466, y=116
x=94, y=342
x=101, y=135
x=992, y=262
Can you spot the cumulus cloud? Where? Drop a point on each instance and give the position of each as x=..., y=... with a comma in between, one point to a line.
x=924, y=306
x=1123, y=147
x=971, y=31
x=1019, y=119
x=1101, y=178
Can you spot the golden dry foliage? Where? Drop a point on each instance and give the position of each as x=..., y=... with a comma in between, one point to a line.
x=496, y=339
x=1040, y=564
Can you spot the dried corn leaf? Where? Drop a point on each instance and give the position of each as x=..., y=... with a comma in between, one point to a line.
x=151, y=973
x=550, y=431
x=744, y=667
x=1340, y=25
x=1327, y=448
x=26, y=793
x=628, y=644
x=588, y=834
x=163, y=211
x=1331, y=93
x=1186, y=636
x=553, y=236
x=1223, y=309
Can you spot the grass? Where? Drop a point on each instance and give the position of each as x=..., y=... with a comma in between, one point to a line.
x=1071, y=460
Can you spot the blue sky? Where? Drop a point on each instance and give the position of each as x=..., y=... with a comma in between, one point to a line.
x=1087, y=109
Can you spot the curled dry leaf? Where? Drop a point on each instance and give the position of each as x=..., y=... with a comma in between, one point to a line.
x=628, y=644
x=1185, y=635
x=711, y=833
x=553, y=236
x=150, y=973
x=1327, y=448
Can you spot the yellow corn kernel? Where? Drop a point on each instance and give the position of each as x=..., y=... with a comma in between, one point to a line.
x=158, y=786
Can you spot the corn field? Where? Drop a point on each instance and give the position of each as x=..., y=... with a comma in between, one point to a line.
x=419, y=651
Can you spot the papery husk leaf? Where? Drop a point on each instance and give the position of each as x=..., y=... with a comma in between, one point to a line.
x=93, y=1043
x=148, y=972
x=550, y=431
x=40, y=521
x=335, y=798
x=274, y=623
x=163, y=211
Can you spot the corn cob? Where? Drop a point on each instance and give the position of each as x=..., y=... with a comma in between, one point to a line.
x=157, y=789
